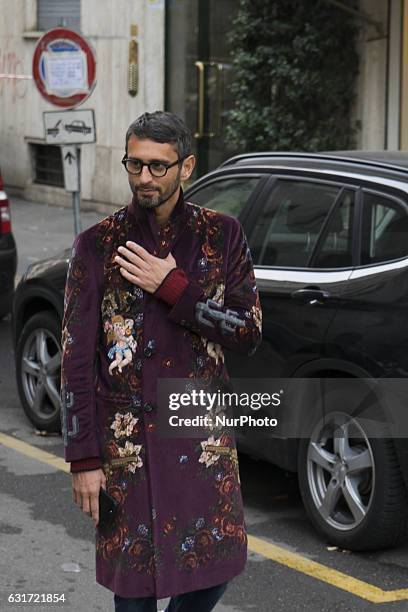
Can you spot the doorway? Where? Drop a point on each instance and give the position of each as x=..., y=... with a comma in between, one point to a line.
x=199, y=73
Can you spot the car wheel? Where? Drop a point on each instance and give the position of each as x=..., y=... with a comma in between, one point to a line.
x=351, y=484
x=38, y=364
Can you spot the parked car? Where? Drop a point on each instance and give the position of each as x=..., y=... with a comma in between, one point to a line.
x=8, y=254
x=78, y=126
x=329, y=240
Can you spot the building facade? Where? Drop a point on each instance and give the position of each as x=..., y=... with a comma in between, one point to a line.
x=27, y=163
x=184, y=66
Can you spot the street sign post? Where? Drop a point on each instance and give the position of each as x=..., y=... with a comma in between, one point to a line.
x=70, y=162
x=71, y=159
x=64, y=71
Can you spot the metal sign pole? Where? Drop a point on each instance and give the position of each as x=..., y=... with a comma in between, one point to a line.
x=76, y=195
x=71, y=158
x=67, y=80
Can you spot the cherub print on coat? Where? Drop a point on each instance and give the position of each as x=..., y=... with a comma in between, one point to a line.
x=120, y=330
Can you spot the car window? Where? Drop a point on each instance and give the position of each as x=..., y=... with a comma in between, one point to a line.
x=228, y=195
x=287, y=229
x=384, y=230
x=335, y=250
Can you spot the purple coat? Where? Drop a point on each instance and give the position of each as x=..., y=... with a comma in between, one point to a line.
x=180, y=525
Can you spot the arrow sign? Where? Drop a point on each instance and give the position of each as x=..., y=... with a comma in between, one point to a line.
x=71, y=170
x=69, y=156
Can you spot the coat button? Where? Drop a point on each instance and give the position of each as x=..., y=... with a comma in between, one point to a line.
x=148, y=407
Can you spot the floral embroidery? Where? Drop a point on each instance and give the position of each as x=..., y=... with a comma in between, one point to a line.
x=219, y=294
x=207, y=457
x=124, y=424
x=66, y=340
x=125, y=549
x=222, y=533
x=214, y=350
x=257, y=315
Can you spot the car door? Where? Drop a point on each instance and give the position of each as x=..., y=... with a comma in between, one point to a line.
x=301, y=243
x=371, y=326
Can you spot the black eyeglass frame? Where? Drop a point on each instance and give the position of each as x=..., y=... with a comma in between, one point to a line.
x=167, y=166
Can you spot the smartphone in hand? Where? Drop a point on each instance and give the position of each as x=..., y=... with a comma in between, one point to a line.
x=107, y=509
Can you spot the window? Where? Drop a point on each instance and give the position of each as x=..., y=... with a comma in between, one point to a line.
x=47, y=165
x=228, y=195
x=54, y=13
x=288, y=227
x=385, y=229
x=335, y=250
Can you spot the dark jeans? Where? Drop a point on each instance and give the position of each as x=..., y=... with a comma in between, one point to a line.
x=203, y=600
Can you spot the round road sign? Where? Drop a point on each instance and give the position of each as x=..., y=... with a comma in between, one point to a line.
x=64, y=67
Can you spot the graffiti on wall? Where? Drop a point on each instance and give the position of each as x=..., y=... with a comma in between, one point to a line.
x=11, y=66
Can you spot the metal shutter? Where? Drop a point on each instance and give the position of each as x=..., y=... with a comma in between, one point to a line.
x=54, y=13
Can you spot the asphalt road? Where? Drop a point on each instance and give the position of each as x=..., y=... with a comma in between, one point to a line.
x=47, y=544
x=41, y=230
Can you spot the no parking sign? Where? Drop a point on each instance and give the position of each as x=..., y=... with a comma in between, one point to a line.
x=64, y=67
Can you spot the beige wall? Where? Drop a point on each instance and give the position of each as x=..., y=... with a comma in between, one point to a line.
x=106, y=24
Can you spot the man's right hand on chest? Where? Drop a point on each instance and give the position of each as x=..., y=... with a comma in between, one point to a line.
x=85, y=491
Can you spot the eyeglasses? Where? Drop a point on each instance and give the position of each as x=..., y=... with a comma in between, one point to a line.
x=158, y=169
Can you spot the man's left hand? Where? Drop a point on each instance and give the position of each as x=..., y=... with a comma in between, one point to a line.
x=143, y=269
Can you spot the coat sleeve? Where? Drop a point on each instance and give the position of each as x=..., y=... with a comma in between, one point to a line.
x=80, y=329
x=237, y=324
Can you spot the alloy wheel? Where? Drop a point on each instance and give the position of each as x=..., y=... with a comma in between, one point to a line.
x=40, y=373
x=341, y=471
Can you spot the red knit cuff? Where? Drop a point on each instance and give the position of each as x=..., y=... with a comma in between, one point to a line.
x=172, y=286
x=82, y=465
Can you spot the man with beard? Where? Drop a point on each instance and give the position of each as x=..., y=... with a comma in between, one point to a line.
x=160, y=287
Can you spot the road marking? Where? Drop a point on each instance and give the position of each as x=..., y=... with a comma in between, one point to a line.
x=326, y=574
x=281, y=555
x=35, y=453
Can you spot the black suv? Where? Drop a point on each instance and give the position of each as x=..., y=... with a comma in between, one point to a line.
x=329, y=239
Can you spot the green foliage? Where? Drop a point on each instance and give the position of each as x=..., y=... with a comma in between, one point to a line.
x=295, y=65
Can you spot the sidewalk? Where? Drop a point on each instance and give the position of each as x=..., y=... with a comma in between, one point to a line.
x=42, y=231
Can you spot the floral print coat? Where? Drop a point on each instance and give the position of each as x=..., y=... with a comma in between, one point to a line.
x=180, y=525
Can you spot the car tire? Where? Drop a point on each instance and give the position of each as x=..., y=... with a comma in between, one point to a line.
x=351, y=483
x=38, y=364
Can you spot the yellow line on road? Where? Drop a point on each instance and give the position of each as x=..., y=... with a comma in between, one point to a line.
x=281, y=555
x=35, y=453
x=326, y=574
